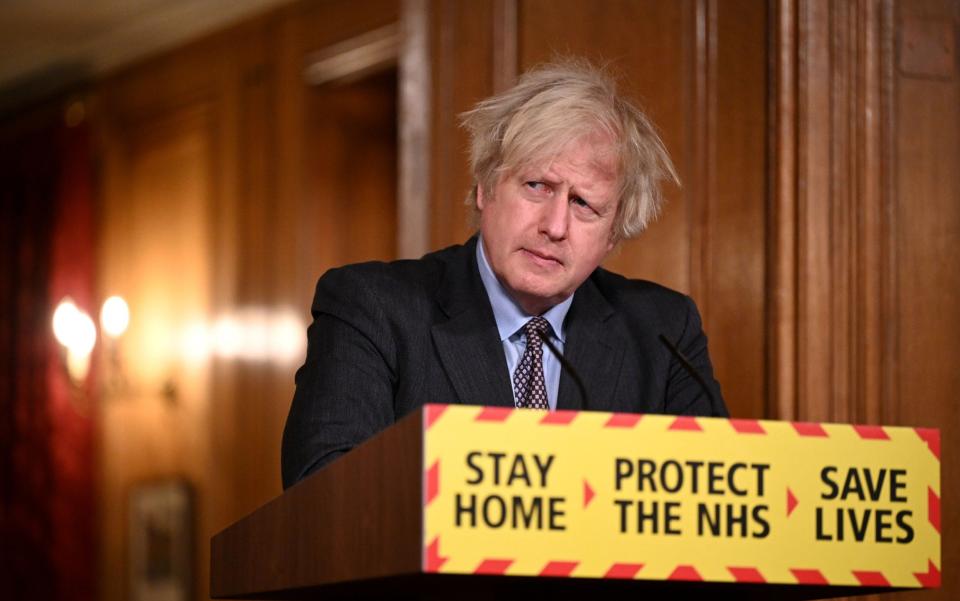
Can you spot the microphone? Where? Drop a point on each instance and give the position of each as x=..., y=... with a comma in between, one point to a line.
x=569, y=369
x=690, y=369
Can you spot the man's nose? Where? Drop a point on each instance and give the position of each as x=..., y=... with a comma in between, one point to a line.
x=555, y=219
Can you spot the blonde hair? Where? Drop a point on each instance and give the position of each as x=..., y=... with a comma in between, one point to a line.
x=554, y=104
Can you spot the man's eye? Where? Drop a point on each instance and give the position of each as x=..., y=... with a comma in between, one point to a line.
x=580, y=202
x=535, y=185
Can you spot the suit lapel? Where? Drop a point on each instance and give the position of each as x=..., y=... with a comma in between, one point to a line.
x=595, y=347
x=467, y=341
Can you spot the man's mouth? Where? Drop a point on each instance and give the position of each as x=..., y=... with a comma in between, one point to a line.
x=543, y=257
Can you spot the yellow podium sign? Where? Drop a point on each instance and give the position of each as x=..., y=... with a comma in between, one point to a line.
x=610, y=495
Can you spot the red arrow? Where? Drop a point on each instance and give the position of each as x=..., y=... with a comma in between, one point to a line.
x=587, y=493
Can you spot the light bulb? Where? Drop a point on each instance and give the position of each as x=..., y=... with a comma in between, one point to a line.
x=114, y=316
x=63, y=319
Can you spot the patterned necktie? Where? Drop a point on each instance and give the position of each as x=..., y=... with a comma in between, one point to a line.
x=528, y=383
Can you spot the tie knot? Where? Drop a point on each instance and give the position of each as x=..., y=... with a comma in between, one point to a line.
x=536, y=328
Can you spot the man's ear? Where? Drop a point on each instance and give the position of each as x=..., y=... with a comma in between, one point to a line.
x=481, y=199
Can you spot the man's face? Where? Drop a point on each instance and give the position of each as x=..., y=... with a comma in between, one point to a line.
x=546, y=227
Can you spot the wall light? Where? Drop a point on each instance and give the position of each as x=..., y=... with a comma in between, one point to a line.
x=74, y=330
x=253, y=334
x=114, y=316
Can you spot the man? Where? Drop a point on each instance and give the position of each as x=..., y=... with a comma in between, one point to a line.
x=564, y=170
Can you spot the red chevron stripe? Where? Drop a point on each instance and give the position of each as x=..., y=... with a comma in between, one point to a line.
x=561, y=417
x=933, y=508
x=432, y=482
x=685, y=573
x=808, y=576
x=931, y=436
x=623, y=420
x=746, y=574
x=808, y=429
x=432, y=559
x=871, y=578
x=493, y=566
x=494, y=414
x=626, y=571
x=747, y=426
x=559, y=569
x=871, y=432
x=686, y=423
x=931, y=579
x=433, y=413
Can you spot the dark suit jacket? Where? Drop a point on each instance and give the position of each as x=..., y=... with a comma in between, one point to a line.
x=388, y=337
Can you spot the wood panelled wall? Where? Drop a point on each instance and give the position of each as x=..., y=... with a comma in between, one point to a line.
x=817, y=224
x=865, y=223
x=920, y=323
x=229, y=187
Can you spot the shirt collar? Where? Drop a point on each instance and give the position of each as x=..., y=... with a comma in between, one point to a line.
x=510, y=317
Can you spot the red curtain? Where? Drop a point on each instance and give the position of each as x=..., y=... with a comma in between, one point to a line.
x=47, y=251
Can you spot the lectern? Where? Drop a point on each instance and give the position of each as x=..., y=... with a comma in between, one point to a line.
x=478, y=502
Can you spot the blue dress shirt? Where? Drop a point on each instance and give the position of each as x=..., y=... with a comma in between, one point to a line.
x=510, y=318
